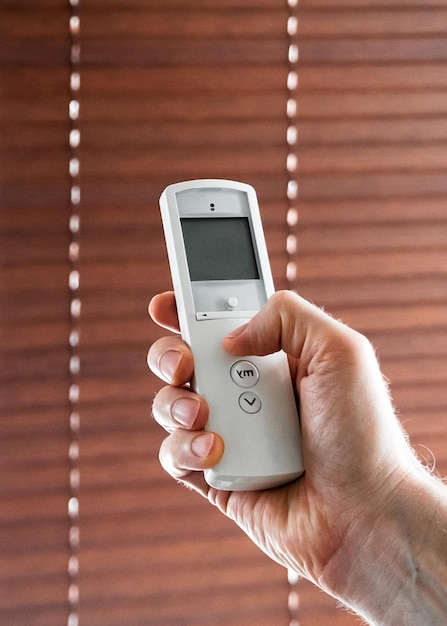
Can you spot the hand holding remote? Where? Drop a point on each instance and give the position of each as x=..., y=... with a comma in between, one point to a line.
x=366, y=521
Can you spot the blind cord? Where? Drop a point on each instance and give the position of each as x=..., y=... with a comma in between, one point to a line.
x=75, y=313
x=292, y=219
x=292, y=138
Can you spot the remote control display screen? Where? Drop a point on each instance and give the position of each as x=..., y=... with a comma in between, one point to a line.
x=219, y=248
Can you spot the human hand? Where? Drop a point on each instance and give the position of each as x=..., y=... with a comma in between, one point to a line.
x=355, y=453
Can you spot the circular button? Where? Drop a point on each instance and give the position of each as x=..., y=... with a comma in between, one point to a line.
x=231, y=303
x=250, y=402
x=244, y=374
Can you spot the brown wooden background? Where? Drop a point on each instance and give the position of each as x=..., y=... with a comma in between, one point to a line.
x=172, y=90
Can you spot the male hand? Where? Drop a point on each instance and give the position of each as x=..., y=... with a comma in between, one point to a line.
x=355, y=453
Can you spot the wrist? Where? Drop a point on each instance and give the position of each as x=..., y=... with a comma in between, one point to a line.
x=392, y=566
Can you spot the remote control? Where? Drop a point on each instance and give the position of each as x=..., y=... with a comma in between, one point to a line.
x=221, y=276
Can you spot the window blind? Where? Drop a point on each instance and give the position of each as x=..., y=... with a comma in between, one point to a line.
x=173, y=90
x=372, y=231
x=167, y=92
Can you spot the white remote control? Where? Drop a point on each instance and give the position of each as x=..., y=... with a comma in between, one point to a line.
x=222, y=278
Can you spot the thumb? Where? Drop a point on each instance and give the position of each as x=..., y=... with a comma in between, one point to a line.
x=286, y=323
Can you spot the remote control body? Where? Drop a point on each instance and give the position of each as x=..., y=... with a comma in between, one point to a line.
x=222, y=278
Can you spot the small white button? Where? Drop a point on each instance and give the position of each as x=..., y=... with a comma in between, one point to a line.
x=250, y=402
x=244, y=374
x=231, y=303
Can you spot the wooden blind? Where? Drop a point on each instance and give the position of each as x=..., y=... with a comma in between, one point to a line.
x=372, y=171
x=169, y=90
x=33, y=314
x=172, y=90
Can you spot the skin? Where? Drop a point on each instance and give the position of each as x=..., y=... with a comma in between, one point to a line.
x=356, y=523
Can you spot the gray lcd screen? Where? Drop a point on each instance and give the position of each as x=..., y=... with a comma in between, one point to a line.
x=219, y=248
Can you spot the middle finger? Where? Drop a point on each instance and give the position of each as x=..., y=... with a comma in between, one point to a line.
x=177, y=407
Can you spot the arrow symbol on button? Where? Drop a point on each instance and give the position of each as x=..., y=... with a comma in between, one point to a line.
x=251, y=403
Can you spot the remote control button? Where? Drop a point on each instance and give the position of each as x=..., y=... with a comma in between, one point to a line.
x=231, y=303
x=250, y=402
x=244, y=374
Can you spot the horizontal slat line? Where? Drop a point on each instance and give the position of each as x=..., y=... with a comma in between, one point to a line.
x=173, y=135
x=43, y=193
x=403, y=372
x=97, y=504
x=204, y=549
x=142, y=529
x=231, y=549
x=52, y=111
x=25, y=81
x=412, y=343
x=205, y=107
x=38, y=52
x=184, y=53
x=194, y=80
x=366, y=4
x=360, y=104
x=243, y=590
x=40, y=613
x=174, y=24
x=226, y=584
x=130, y=23
x=144, y=584
x=385, y=237
x=132, y=135
x=427, y=397
x=150, y=5
x=419, y=424
x=374, y=290
x=19, y=82
x=372, y=185
x=43, y=508
x=374, y=77
x=30, y=26
x=53, y=565
x=125, y=415
x=352, y=211
x=380, y=50
x=427, y=316
x=186, y=593
x=140, y=473
x=425, y=131
x=245, y=161
x=398, y=157
x=38, y=166
x=200, y=611
x=373, y=22
x=430, y=262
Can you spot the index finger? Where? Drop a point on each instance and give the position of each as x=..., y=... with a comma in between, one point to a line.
x=163, y=311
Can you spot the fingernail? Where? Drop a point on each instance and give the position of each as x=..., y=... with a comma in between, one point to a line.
x=202, y=444
x=169, y=363
x=185, y=411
